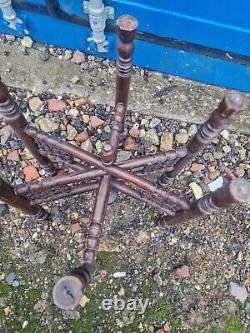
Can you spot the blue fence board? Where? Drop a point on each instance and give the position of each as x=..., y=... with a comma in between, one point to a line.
x=189, y=39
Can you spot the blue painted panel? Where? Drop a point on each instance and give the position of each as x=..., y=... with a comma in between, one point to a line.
x=187, y=64
x=35, y=2
x=217, y=24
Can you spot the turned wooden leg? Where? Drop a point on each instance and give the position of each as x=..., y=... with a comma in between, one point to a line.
x=235, y=192
x=126, y=30
x=8, y=196
x=16, y=120
x=232, y=103
x=69, y=290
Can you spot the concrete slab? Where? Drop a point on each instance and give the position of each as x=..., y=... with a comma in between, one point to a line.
x=183, y=100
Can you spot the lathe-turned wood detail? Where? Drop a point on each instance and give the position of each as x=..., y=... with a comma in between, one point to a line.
x=104, y=175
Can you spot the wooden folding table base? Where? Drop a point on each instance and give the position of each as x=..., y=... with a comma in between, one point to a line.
x=106, y=176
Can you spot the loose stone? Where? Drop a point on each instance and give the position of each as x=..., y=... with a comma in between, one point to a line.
x=182, y=136
x=166, y=141
x=56, y=105
x=196, y=189
x=87, y=146
x=35, y=104
x=152, y=137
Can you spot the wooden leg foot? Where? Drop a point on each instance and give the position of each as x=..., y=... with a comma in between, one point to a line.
x=67, y=292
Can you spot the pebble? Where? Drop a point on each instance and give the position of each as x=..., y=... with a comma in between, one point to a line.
x=75, y=227
x=75, y=79
x=78, y=57
x=30, y=173
x=10, y=278
x=55, y=104
x=15, y=144
x=7, y=311
x=157, y=278
x=130, y=144
x=67, y=55
x=121, y=292
x=182, y=136
x=208, y=157
x=107, y=129
x=93, y=72
x=144, y=122
x=242, y=153
x=240, y=172
x=226, y=149
x=87, y=146
x=218, y=155
x=119, y=274
x=142, y=133
x=73, y=113
x=10, y=38
x=84, y=301
x=13, y=156
x=214, y=185
x=151, y=136
x=197, y=167
x=196, y=189
x=71, y=314
x=27, y=42
x=225, y=134
x=47, y=125
x=40, y=306
x=166, y=327
x=154, y=122
x=213, y=174
x=183, y=272
x=15, y=284
x=238, y=291
x=81, y=137
x=25, y=324
x=98, y=145
x=85, y=119
x=123, y=155
x=71, y=132
x=41, y=256
x=5, y=133
x=35, y=104
x=95, y=121
x=166, y=141
x=81, y=102
x=192, y=130
x=134, y=132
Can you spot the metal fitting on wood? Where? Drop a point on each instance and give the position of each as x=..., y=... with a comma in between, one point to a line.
x=98, y=14
x=10, y=17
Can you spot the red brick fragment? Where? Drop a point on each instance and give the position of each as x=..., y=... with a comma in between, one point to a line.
x=30, y=173
x=197, y=167
x=56, y=105
x=13, y=156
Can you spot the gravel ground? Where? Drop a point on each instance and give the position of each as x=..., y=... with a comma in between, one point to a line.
x=196, y=277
